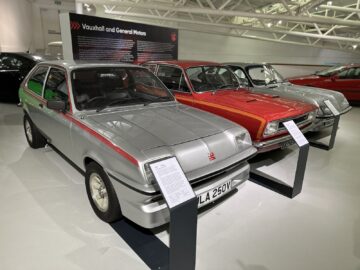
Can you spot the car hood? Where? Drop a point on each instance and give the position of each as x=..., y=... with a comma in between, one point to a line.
x=312, y=95
x=156, y=125
x=269, y=107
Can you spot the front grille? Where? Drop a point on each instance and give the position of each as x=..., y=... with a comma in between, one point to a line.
x=298, y=121
x=198, y=181
x=206, y=178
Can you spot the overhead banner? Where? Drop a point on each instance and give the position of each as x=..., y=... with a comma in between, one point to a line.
x=95, y=38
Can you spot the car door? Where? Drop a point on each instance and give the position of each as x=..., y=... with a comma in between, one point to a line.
x=53, y=123
x=348, y=83
x=174, y=80
x=33, y=90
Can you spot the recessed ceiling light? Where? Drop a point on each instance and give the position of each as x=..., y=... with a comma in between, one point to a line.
x=269, y=24
x=354, y=46
x=329, y=3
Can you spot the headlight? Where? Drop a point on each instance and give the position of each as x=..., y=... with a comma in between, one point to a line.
x=325, y=109
x=271, y=128
x=148, y=173
x=312, y=116
x=345, y=103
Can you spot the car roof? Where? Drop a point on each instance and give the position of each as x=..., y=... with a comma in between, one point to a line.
x=74, y=64
x=185, y=63
x=243, y=64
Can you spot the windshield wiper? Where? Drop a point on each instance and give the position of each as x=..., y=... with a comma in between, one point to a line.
x=157, y=99
x=271, y=82
x=225, y=86
x=112, y=102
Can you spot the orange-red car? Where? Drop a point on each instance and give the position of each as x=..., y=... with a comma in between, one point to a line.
x=214, y=88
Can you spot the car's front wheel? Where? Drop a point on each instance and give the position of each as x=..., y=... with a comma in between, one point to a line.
x=32, y=134
x=101, y=194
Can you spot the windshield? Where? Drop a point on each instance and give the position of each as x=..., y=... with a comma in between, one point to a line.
x=210, y=78
x=264, y=75
x=330, y=71
x=102, y=87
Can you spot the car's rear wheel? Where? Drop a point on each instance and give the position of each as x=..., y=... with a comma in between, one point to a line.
x=101, y=194
x=33, y=136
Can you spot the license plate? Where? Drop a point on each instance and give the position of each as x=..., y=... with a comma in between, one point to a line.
x=214, y=194
x=287, y=143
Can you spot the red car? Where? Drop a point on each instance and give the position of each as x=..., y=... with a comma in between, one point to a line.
x=214, y=88
x=345, y=79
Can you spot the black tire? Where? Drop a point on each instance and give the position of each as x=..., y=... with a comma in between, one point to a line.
x=113, y=211
x=33, y=136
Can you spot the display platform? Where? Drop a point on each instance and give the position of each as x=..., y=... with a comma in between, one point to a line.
x=46, y=222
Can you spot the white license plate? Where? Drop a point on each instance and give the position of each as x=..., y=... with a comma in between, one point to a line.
x=214, y=194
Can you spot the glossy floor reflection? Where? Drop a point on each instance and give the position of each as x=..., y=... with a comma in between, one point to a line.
x=46, y=221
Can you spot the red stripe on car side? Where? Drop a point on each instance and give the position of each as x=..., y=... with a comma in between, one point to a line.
x=102, y=139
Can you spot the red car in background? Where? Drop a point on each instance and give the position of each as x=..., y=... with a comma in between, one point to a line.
x=214, y=88
x=345, y=79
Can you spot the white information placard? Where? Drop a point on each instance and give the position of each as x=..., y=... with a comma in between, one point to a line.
x=296, y=133
x=332, y=108
x=172, y=181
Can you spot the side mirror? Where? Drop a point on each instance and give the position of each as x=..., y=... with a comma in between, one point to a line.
x=57, y=105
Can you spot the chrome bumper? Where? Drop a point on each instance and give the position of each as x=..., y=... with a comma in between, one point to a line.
x=325, y=122
x=265, y=146
x=150, y=210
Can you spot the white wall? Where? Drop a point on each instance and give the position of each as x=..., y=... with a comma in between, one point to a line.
x=202, y=46
x=15, y=25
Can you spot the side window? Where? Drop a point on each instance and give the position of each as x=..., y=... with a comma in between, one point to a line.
x=171, y=77
x=348, y=73
x=36, y=81
x=11, y=62
x=240, y=74
x=55, y=87
x=357, y=74
x=152, y=68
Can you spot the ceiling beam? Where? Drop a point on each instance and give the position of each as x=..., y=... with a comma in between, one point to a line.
x=343, y=9
x=208, y=11
x=236, y=26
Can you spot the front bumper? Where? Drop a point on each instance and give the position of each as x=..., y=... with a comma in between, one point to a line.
x=150, y=210
x=280, y=142
x=325, y=122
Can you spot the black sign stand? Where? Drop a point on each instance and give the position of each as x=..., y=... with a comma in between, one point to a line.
x=183, y=212
x=183, y=229
x=277, y=185
x=329, y=146
x=335, y=126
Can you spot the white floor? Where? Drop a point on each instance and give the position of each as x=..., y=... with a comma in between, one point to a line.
x=47, y=223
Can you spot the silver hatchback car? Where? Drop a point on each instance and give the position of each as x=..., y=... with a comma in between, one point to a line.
x=111, y=120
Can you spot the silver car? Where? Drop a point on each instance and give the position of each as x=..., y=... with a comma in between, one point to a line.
x=111, y=120
x=264, y=79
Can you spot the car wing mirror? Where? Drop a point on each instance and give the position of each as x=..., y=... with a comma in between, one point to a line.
x=57, y=105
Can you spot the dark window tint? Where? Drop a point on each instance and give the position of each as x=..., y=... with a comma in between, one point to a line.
x=351, y=73
x=171, y=77
x=14, y=62
x=102, y=87
x=36, y=81
x=55, y=87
